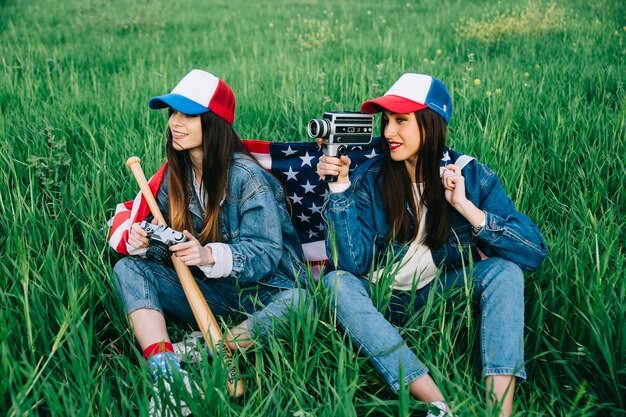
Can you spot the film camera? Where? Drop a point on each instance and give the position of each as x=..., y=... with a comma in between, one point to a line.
x=161, y=238
x=339, y=130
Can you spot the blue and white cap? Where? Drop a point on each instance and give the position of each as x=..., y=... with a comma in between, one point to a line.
x=411, y=93
x=199, y=92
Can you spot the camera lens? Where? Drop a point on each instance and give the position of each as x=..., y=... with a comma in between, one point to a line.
x=318, y=128
x=158, y=252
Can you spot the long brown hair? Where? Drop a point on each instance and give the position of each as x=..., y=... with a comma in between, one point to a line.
x=397, y=190
x=219, y=142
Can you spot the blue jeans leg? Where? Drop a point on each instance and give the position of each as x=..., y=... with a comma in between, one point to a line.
x=370, y=331
x=499, y=284
x=144, y=284
x=276, y=311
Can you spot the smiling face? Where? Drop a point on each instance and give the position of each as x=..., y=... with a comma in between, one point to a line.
x=403, y=136
x=186, y=131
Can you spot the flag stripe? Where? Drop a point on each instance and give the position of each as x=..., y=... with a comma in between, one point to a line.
x=264, y=159
x=314, y=251
x=260, y=149
x=130, y=212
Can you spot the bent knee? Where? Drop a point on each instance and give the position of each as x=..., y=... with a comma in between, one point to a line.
x=343, y=286
x=125, y=266
x=335, y=279
x=294, y=296
x=129, y=278
x=330, y=279
x=505, y=272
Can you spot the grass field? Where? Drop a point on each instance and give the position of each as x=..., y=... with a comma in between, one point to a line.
x=538, y=89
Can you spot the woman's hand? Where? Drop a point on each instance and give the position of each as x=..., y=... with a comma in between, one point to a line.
x=138, y=238
x=329, y=165
x=339, y=167
x=192, y=252
x=454, y=185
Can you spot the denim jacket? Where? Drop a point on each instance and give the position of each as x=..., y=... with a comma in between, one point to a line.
x=255, y=223
x=359, y=224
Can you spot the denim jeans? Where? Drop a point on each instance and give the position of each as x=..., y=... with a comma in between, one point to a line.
x=498, y=283
x=144, y=284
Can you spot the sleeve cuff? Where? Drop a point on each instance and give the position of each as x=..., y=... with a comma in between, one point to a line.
x=136, y=252
x=338, y=188
x=223, y=256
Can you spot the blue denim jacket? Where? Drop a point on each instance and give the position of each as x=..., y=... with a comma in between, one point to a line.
x=360, y=226
x=255, y=223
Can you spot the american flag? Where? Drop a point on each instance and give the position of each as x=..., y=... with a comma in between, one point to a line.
x=130, y=212
x=293, y=164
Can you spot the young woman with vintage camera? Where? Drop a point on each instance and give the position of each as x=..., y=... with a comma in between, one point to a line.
x=438, y=217
x=241, y=245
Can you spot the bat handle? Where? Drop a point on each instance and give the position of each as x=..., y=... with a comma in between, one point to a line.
x=134, y=164
x=201, y=310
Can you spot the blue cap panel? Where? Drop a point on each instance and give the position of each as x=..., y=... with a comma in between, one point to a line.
x=177, y=102
x=439, y=99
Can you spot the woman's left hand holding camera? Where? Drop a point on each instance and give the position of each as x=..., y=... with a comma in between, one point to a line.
x=192, y=252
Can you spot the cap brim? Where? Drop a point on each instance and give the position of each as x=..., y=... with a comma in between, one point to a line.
x=395, y=104
x=177, y=102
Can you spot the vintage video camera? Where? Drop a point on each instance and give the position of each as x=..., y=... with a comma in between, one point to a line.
x=161, y=238
x=340, y=130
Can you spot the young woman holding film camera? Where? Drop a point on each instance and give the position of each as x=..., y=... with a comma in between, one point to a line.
x=241, y=245
x=443, y=222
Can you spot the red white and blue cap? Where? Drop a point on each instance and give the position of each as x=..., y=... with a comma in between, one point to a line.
x=199, y=92
x=411, y=93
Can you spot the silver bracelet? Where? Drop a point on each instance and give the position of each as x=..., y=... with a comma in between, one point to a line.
x=477, y=229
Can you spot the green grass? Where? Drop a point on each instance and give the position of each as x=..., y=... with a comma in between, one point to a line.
x=539, y=94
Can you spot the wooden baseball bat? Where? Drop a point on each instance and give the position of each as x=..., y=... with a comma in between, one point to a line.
x=201, y=310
